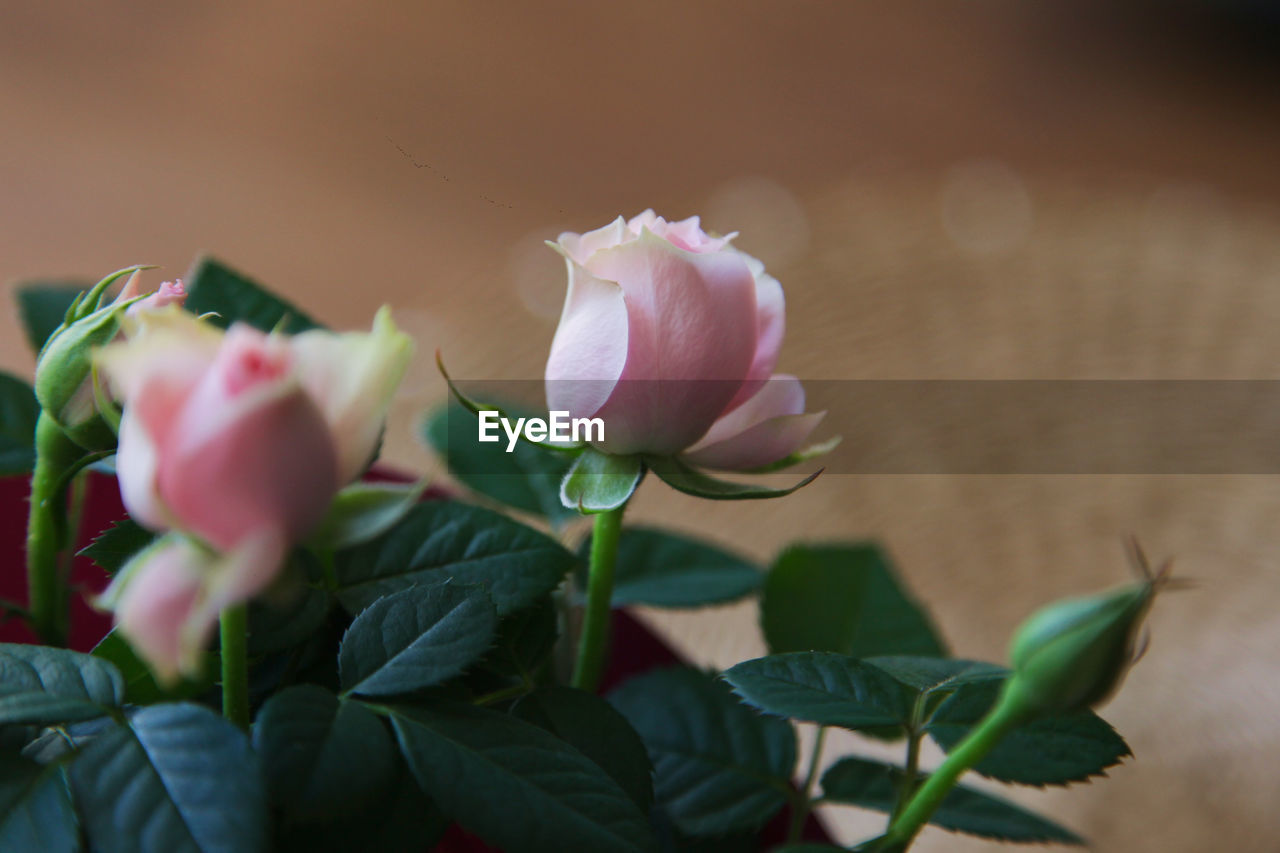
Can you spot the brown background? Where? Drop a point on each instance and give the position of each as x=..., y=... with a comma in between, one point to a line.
x=948, y=190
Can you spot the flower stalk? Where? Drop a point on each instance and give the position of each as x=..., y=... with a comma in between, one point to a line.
x=48, y=535
x=233, y=625
x=1009, y=713
x=595, y=625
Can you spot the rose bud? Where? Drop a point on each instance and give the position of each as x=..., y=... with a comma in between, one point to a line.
x=167, y=597
x=64, y=372
x=1073, y=654
x=670, y=336
x=241, y=440
x=225, y=435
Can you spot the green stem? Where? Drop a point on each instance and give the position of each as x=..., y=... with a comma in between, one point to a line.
x=804, y=799
x=910, y=776
x=595, y=622
x=1005, y=716
x=47, y=534
x=233, y=624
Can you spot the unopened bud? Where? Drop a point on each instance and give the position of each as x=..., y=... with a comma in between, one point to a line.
x=64, y=372
x=1074, y=653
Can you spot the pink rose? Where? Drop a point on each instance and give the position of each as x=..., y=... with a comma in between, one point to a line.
x=240, y=440
x=167, y=598
x=670, y=336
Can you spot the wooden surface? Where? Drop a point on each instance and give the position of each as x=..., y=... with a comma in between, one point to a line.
x=994, y=190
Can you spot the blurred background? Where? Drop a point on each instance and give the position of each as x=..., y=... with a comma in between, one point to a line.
x=1001, y=189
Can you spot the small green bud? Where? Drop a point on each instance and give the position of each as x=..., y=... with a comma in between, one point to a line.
x=1074, y=653
x=64, y=369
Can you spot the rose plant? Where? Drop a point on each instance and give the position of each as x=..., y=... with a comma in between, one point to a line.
x=397, y=674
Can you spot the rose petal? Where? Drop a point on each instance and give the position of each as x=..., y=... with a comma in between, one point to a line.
x=691, y=338
x=136, y=471
x=770, y=325
x=762, y=430
x=590, y=346
x=250, y=449
x=353, y=378
x=579, y=247
x=154, y=598
x=167, y=599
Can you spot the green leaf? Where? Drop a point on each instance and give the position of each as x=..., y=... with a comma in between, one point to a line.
x=404, y=819
x=35, y=808
x=178, y=779
x=691, y=481
x=363, y=511
x=515, y=785
x=113, y=547
x=527, y=478
x=42, y=307
x=1055, y=750
x=324, y=758
x=821, y=687
x=842, y=598
x=54, y=744
x=213, y=288
x=598, y=482
x=873, y=785
x=524, y=640
x=928, y=681
x=929, y=676
x=593, y=727
x=719, y=767
x=293, y=619
x=140, y=686
x=416, y=638
x=662, y=569
x=58, y=673
x=441, y=540
x=18, y=413
x=46, y=709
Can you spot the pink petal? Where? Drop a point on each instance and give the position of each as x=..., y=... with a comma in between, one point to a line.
x=154, y=608
x=353, y=378
x=770, y=326
x=168, y=598
x=136, y=471
x=579, y=247
x=766, y=428
x=590, y=346
x=691, y=338
x=250, y=451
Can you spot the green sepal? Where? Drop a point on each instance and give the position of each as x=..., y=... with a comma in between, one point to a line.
x=599, y=482
x=1072, y=654
x=804, y=454
x=363, y=511
x=476, y=408
x=64, y=370
x=680, y=476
